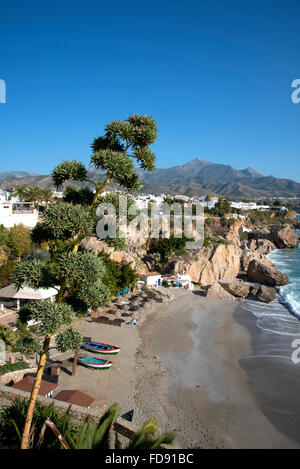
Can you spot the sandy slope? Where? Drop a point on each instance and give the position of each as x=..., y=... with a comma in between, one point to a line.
x=182, y=366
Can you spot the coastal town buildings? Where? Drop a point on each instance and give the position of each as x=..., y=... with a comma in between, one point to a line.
x=154, y=279
x=18, y=213
x=249, y=206
x=151, y=279
x=12, y=298
x=13, y=212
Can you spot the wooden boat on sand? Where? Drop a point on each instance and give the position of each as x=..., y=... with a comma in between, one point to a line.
x=93, y=362
x=98, y=347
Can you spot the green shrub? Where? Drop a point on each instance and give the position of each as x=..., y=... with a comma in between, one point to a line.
x=118, y=276
x=7, y=335
x=6, y=272
x=167, y=247
x=245, y=236
x=13, y=367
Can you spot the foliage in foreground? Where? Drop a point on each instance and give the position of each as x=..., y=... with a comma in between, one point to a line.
x=79, y=275
x=8, y=367
x=85, y=435
x=12, y=420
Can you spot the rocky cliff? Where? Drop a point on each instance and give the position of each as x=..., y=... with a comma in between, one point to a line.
x=218, y=262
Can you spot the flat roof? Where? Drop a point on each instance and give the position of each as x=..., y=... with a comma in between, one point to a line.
x=73, y=396
x=151, y=274
x=27, y=293
x=26, y=384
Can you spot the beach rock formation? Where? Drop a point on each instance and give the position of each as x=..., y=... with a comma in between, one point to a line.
x=217, y=291
x=264, y=246
x=266, y=273
x=95, y=245
x=266, y=294
x=285, y=237
x=238, y=288
x=282, y=236
x=214, y=263
x=249, y=256
x=233, y=237
x=255, y=249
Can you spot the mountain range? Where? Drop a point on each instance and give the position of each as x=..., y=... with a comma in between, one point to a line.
x=196, y=178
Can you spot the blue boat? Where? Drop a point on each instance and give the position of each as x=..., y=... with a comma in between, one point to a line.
x=98, y=347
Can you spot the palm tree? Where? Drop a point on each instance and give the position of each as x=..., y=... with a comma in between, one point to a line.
x=85, y=435
x=97, y=435
x=46, y=196
x=32, y=194
x=7, y=335
x=20, y=191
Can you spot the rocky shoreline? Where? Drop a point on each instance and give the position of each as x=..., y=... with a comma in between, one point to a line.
x=232, y=267
x=240, y=269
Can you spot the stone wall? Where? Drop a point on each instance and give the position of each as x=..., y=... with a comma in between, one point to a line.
x=15, y=376
x=124, y=428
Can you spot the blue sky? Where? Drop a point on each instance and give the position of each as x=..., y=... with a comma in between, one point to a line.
x=216, y=75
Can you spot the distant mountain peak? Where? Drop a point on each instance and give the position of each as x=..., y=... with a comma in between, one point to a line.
x=251, y=172
x=17, y=174
x=198, y=177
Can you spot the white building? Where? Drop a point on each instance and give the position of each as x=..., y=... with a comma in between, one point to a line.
x=207, y=203
x=12, y=298
x=142, y=201
x=181, y=280
x=237, y=216
x=18, y=213
x=58, y=194
x=249, y=206
x=185, y=281
x=152, y=279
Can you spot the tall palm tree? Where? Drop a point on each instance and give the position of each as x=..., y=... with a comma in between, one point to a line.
x=20, y=191
x=32, y=194
x=46, y=196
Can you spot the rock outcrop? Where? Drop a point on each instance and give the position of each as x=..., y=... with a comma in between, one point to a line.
x=238, y=288
x=233, y=237
x=249, y=256
x=266, y=294
x=217, y=291
x=256, y=250
x=266, y=273
x=282, y=236
x=264, y=246
x=218, y=262
x=285, y=237
x=95, y=245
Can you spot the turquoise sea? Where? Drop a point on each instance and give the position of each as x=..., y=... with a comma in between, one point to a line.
x=288, y=261
x=281, y=316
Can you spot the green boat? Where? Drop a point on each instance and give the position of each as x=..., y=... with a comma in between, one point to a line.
x=96, y=363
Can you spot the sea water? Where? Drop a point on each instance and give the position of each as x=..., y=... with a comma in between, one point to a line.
x=283, y=315
x=273, y=376
x=288, y=262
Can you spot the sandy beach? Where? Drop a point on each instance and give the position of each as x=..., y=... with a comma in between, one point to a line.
x=184, y=366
